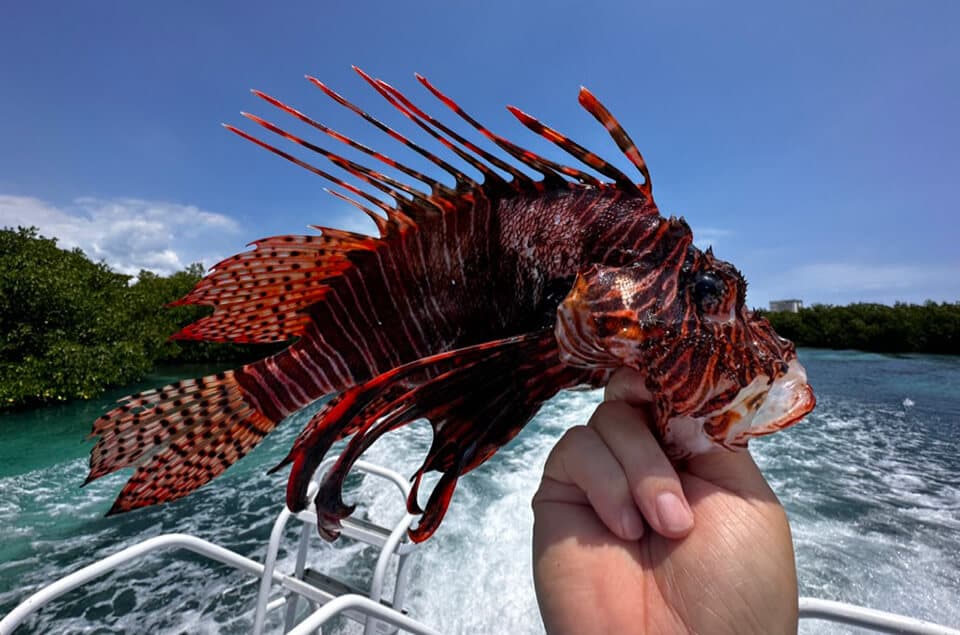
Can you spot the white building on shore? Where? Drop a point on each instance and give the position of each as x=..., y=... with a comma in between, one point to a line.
x=790, y=306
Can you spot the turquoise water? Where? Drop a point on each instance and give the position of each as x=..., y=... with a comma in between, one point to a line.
x=871, y=482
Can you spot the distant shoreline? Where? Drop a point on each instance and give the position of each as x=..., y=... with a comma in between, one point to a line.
x=929, y=328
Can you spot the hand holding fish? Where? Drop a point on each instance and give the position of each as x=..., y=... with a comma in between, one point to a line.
x=719, y=558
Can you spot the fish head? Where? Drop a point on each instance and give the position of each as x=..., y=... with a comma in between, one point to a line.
x=718, y=373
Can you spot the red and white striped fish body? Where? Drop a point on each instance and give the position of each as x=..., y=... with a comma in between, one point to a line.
x=449, y=314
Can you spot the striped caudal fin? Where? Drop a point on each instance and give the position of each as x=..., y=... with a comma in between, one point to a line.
x=185, y=434
x=178, y=437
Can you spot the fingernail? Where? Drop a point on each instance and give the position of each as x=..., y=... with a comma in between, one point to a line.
x=673, y=514
x=631, y=524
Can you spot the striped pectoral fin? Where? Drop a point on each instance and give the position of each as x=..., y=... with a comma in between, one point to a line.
x=178, y=437
x=476, y=399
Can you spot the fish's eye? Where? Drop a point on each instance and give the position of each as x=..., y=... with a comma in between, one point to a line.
x=708, y=292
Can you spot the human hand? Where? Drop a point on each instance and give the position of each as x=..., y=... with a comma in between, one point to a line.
x=613, y=552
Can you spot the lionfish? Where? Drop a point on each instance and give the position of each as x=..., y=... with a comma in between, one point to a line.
x=472, y=306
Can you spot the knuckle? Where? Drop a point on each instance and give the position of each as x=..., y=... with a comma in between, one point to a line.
x=573, y=437
x=537, y=497
x=611, y=412
x=571, y=441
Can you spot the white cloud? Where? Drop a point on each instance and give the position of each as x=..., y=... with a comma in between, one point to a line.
x=129, y=234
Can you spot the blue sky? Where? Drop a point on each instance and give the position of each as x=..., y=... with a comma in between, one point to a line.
x=816, y=146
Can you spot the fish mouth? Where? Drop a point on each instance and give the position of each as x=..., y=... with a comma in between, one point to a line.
x=787, y=401
x=759, y=409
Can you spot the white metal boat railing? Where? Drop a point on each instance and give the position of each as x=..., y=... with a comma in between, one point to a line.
x=366, y=605
x=368, y=609
x=137, y=551
x=879, y=621
x=371, y=608
x=390, y=544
